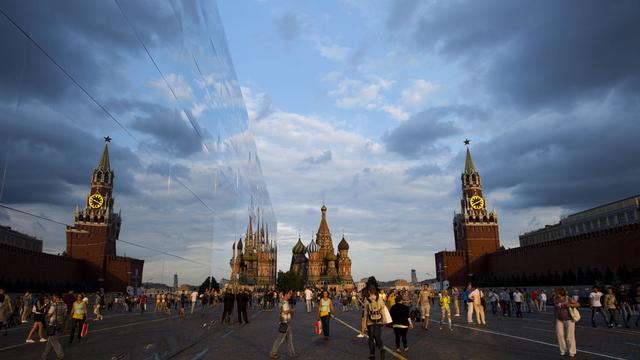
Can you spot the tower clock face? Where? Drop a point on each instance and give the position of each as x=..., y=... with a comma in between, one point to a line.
x=96, y=201
x=476, y=202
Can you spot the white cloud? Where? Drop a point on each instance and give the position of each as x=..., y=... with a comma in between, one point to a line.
x=351, y=93
x=396, y=112
x=385, y=217
x=333, y=51
x=418, y=92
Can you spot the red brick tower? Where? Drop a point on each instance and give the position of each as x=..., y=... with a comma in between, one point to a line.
x=475, y=229
x=96, y=227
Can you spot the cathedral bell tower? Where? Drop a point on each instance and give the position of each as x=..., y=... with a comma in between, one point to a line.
x=475, y=228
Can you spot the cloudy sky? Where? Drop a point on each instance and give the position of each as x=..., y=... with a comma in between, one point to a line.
x=362, y=105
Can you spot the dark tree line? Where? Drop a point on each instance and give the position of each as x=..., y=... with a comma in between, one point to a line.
x=568, y=277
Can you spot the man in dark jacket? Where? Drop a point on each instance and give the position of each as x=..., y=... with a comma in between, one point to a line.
x=227, y=300
x=242, y=299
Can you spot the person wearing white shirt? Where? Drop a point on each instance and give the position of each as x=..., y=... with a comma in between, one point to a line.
x=543, y=301
x=194, y=300
x=308, y=298
x=596, y=306
x=517, y=299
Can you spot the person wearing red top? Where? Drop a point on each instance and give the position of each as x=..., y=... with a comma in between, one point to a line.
x=143, y=303
x=534, y=299
x=68, y=299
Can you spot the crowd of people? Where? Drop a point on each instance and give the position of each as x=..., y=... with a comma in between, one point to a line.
x=401, y=309
x=56, y=315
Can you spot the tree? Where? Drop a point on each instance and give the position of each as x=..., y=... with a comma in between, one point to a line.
x=289, y=281
x=580, y=277
x=608, y=276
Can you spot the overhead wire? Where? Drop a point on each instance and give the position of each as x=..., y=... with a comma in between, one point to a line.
x=93, y=244
x=102, y=107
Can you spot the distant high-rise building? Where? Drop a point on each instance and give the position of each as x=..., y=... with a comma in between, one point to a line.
x=414, y=277
x=175, y=282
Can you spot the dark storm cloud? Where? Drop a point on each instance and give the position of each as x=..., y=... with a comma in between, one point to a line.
x=419, y=171
x=569, y=161
x=49, y=158
x=418, y=135
x=401, y=12
x=86, y=38
x=539, y=54
x=169, y=133
x=289, y=26
x=326, y=156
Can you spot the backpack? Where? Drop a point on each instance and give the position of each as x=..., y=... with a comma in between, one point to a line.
x=375, y=314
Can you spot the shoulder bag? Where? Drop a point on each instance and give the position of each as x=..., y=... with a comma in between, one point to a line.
x=574, y=313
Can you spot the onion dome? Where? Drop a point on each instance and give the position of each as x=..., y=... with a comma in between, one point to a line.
x=239, y=247
x=299, y=248
x=312, y=247
x=343, y=245
x=331, y=257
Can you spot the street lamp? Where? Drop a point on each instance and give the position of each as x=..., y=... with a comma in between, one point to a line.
x=440, y=271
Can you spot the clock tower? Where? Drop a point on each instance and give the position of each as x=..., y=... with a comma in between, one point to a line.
x=96, y=227
x=475, y=228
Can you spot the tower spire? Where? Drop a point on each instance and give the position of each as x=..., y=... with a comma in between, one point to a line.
x=468, y=165
x=104, y=160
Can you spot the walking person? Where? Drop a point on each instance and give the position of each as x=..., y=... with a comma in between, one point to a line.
x=78, y=314
x=308, y=299
x=623, y=298
x=445, y=308
x=38, y=310
x=505, y=302
x=5, y=311
x=611, y=304
x=401, y=323
x=596, y=306
x=455, y=298
x=97, y=307
x=493, y=299
x=468, y=303
x=363, y=319
x=527, y=300
x=194, y=300
x=565, y=326
x=534, y=299
x=56, y=319
x=228, y=300
x=183, y=303
x=325, y=310
x=373, y=313
x=242, y=300
x=543, y=301
x=284, y=328
x=517, y=299
x=26, y=306
x=425, y=306
x=477, y=298
x=143, y=303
